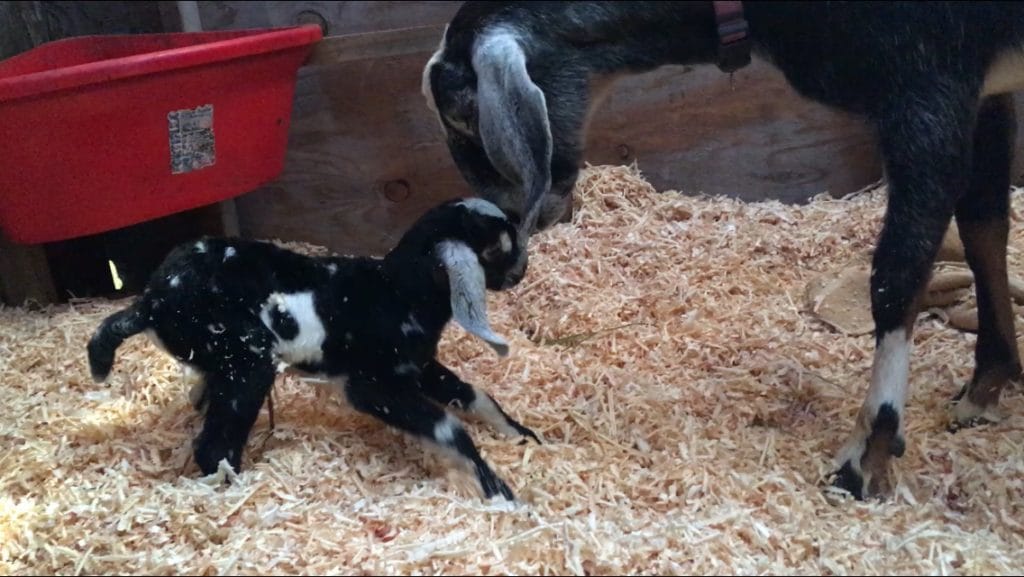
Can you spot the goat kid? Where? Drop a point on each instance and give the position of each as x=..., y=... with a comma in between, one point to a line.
x=232, y=310
x=511, y=85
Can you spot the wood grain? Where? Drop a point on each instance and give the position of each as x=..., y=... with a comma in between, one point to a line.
x=752, y=137
x=360, y=133
x=341, y=17
x=358, y=126
x=25, y=275
x=380, y=44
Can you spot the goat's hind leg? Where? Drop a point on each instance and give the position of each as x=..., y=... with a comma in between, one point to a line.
x=444, y=386
x=234, y=395
x=983, y=219
x=402, y=407
x=926, y=151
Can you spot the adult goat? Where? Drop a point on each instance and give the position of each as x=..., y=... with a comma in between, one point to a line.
x=511, y=80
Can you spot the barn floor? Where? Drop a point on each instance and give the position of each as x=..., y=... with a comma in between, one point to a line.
x=691, y=437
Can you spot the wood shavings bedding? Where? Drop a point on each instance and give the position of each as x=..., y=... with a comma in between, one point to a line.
x=689, y=434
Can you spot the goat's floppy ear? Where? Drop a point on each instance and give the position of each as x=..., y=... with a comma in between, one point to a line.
x=513, y=119
x=469, y=292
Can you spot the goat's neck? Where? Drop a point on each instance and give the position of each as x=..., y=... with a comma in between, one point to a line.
x=620, y=38
x=422, y=282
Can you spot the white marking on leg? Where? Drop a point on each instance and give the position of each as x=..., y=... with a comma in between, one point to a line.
x=200, y=246
x=228, y=253
x=487, y=410
x=506, y=242
x=889, y=374
x=445, y=429
x=234, y=405
x=174, y=281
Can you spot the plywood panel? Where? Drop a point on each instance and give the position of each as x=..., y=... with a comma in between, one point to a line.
x=366, y=157
x=361, y=133
x=25, y=275
x=341, y=17
x=751, y=137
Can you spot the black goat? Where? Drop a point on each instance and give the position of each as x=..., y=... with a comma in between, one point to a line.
x=511, y=82
x=232, y=310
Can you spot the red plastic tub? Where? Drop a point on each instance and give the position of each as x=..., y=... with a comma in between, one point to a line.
x=101, y=132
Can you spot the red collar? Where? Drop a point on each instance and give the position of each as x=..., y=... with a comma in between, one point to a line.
x=733, y=37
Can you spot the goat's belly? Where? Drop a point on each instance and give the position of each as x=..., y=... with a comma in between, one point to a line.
x=1006, y=73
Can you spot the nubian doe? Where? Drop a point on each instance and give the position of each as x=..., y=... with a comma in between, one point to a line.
x=234, y=310
x=512, y=84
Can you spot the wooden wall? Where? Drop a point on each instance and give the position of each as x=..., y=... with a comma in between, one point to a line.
x=366, y=157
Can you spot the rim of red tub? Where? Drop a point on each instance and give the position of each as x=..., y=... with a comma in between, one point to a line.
x=239, y=44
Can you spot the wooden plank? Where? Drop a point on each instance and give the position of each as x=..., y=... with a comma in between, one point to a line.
x=365, y=159
x=371, y=45
x=361, y=133
x=25, y=275
x=76, y=18
x=17, y=34
x=342, y=18
x=750, y=137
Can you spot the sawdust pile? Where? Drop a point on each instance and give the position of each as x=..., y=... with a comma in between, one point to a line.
x=661, y=346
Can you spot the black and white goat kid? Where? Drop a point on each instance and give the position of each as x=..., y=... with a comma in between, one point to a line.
x=512, y=84
x=232, y=310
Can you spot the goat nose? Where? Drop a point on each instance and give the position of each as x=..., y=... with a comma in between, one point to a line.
x=513, y=278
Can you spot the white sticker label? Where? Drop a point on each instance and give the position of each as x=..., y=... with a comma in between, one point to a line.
x=191, y=139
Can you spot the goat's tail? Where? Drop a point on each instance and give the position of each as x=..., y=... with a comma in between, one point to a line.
x=109, y=336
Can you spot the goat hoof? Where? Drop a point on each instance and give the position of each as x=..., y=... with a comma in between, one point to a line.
x=525, y=432
x=967, y=415
x=849, y=480
x=956, y=426
x=527, y=435
x=494, y=486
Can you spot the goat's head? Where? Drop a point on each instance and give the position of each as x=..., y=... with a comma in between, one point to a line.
x=479, y=249
x=512, y=126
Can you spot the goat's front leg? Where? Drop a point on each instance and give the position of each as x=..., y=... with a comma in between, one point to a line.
x=983, y=219
x=444, y=386
x=398, y=403
x=926, y=150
